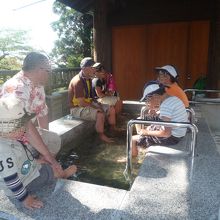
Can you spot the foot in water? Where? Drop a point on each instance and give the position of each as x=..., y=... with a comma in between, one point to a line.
x=71, y=170
x=116, y=132
x=106, y=139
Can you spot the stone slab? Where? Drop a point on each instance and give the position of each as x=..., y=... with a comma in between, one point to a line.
x=69, y=128
x=68, y=200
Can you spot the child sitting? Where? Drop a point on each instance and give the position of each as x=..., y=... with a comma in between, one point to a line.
x=104, y=88
x=171, y=108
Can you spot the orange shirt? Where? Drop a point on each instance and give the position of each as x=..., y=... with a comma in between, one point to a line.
x=175, y=90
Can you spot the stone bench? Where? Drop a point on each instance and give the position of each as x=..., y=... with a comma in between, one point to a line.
x=69, y=129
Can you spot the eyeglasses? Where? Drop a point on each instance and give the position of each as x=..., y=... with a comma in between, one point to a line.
x=46, y=70
x=162, y=73
x=148, y=98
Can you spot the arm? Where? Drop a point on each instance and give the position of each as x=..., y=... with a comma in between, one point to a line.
x=37, y=142
x=14, y=183
x=70, y=95
x=99, y=92
x=9, y=173
x=82, y=103
x=71, y=90
x=158, y=133
x=43, y=122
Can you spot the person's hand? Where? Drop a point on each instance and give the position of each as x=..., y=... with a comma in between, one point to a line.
x=31, y=202
x=143, y=132
x=110, y=93
x=53, y=162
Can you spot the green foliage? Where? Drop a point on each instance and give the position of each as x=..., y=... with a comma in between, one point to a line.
x=10, y=63
x=74, y=32
x=13, y=48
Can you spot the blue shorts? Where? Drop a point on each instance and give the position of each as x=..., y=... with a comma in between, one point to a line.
x=147, y=141
x=46, y=177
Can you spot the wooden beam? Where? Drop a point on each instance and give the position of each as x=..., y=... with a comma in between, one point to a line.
x=102, y=34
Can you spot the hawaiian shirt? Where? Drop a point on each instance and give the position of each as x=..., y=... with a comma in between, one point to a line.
x=33, y=97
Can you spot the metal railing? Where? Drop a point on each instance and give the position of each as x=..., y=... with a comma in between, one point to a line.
x=191, y=114
x=192, y=127
x=143, y=110
x=202, y=100
x=59, y=78
x=142, y=114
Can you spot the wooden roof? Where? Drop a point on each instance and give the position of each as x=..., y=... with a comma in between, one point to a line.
x=122, y=12
x=79, y=5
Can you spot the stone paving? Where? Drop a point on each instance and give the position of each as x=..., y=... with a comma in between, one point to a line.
x=170, y=185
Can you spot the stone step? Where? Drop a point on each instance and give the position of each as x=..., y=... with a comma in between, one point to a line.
x=70, y=128
x=68, y=200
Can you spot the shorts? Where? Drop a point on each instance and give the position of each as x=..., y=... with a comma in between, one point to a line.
x=46, y=177
x=108, y=100
x=86, y=113
x=147, y=141
x=104, y=107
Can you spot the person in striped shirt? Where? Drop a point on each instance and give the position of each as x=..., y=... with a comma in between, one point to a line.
x=171, y=108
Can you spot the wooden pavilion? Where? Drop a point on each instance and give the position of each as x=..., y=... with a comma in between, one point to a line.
x=133, y=37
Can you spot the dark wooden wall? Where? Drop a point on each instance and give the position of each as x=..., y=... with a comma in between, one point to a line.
x=112, y=13
x=130, y=12
x=136, y=50
x=214, y=52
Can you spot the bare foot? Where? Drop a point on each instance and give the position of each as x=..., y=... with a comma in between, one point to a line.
x=122, y=160
x=116, y=132
x=106, y=139
x=69, y=171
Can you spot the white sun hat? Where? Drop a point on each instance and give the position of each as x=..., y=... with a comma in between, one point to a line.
x=168, y=68
x=150, y=90
x=11, y=108
x=12, y=112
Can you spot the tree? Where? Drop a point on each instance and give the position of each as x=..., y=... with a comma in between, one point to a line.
x=13, y=48
x=75, y=36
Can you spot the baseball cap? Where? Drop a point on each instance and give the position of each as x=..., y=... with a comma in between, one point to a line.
x=97, y=65
x=87, y=62
x=151, y=88
x=168, y=68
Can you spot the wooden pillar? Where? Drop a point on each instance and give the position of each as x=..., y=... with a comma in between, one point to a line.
x=86, y=37
x=102, y=34
x=214, y=62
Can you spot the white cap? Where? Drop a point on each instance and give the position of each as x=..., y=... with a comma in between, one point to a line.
x=11, y=108
x=149, y=90
x=96, y=65
x=168, y=68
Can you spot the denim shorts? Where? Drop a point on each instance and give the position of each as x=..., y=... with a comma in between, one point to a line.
x=46, y=177
x=147, y=141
